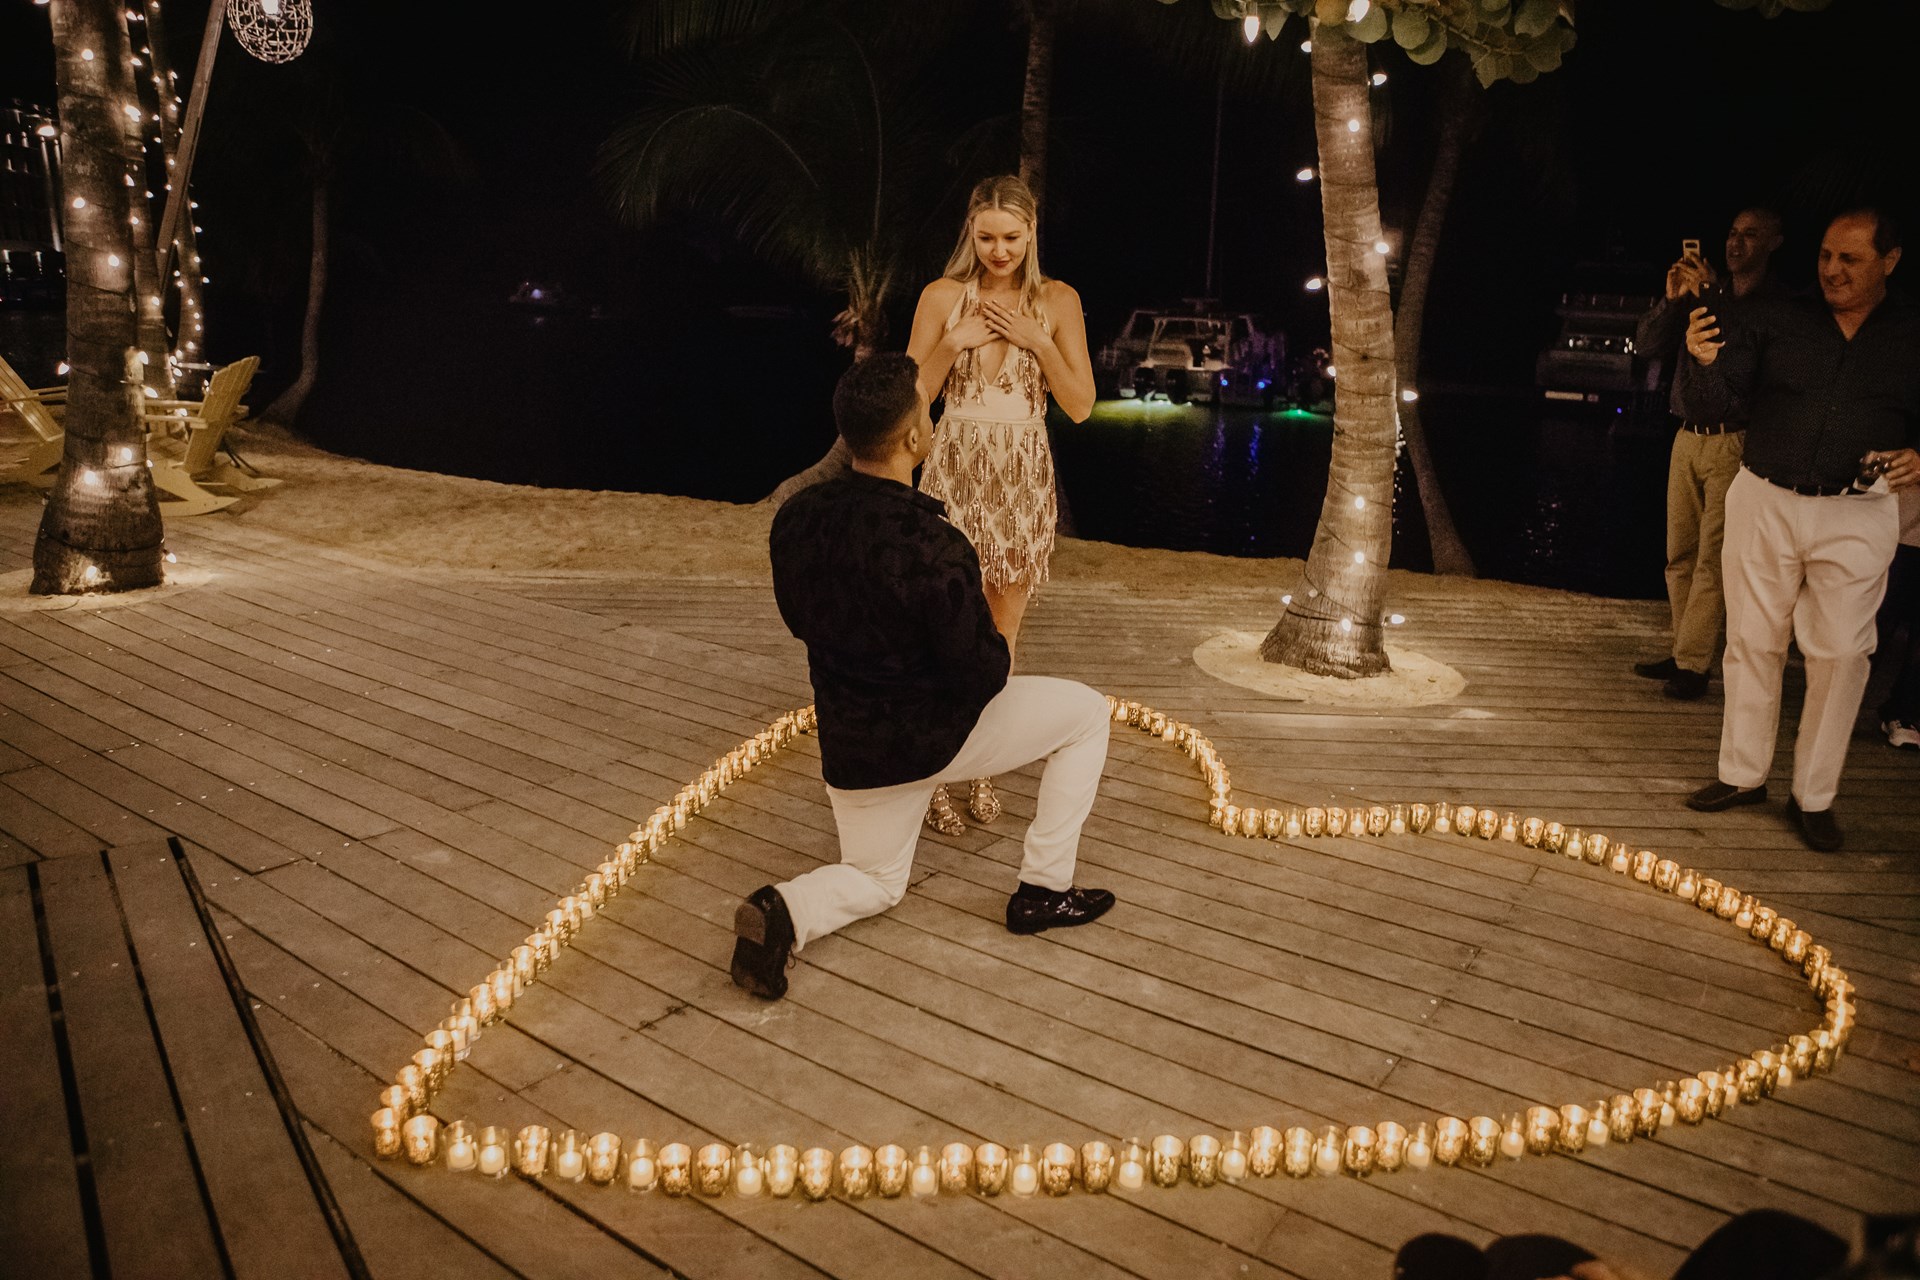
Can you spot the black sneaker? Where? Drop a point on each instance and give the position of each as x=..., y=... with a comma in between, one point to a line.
x=1033, y=908
x=1685, y=685
x=1716, y=796
x=760, y=956
x=1816, y=826
x=1665, y=669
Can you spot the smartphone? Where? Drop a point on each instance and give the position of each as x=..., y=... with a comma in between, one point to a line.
x=1689, y=248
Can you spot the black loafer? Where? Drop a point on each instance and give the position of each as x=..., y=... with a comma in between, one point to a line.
x=1684, y=685
x=1034, y=909
x=1716, y=796
x=760, y=956
x=1816, y=826
x=1665, y=669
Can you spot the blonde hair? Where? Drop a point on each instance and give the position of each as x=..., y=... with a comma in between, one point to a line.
x=1008, y=193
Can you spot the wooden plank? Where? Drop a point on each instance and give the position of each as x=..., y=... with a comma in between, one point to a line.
x=269, y=1218
x=400, y=1237
x=153, y=1212
x=42, y=1229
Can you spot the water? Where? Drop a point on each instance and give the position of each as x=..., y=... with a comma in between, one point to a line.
x=1551, y=496
x=724, y=405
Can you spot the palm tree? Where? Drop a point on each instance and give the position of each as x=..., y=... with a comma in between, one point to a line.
x=101, y=530
x=794, y=130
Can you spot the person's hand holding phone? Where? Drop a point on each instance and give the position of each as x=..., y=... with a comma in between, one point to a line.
x=1691, y=274
x=1703, y=336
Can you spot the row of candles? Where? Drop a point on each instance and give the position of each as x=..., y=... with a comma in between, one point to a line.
x=404, y=1126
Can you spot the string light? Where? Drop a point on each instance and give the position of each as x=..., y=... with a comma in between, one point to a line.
x=1382, y=248
x=1353, y=126
x=1379, y=78
x=1251, y=26
x=1315, y=284
x=1306, y=46
x=1358, y=10
x=1305, y=175
x=1408, y=395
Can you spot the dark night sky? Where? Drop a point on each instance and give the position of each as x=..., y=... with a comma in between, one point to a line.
x=1666, y=117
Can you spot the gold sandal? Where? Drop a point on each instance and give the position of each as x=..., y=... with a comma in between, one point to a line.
x=942, y=816
x=981, y=802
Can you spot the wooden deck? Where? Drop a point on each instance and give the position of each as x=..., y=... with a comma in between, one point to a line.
x=384, y=776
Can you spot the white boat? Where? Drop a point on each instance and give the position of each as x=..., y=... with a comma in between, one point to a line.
x=1200, y=353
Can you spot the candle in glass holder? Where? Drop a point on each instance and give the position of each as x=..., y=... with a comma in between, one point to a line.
x=1203, y=1160
x=1442, y=819
x=1572, y=1137
x=1328, y=1151
x=890, y=1167
x=1397, y=824
x=1576, y=846
x=1666, y=874
x=1263, y=1151
x=990, y=1168
x=643, y=1165
x=465, y=1029
x=526, y=968
x=602, y=1158
x=530, y=1150
x=1622, y=1118
x=1553, y=837
x=1293, y=823
x=1420, y=1148
x=856, y=1172
x=480, y=1002
x=1691, y=1101
x=397, y=1097
x=1599, y=1133
x=1647, y=1105
x=1597, y=848
x=956, y=1168
x=1131, y=1170
x=1687, y=886
x=1359, y=1150
x=1233, y=1157
x=493, y=1151
x=1058, y=1162
x=924, y=1178
x=675, y=1163
x=569, y=1155
x=1762, y=927
x=749, y=1176
x=783, y=1169
x=386, y=1133
x=420, y=1139
x=1296, y=1152
x=816, y=1173
x=1096, y=1166
x=1450, y=1140
x=1620, y=861
x=1513, y=1140
x=713, y=1169
x=1023, y=1179
x=417, y=1084
x=1542, y=1126
x=1390, y=1150
x=1165, y=1157
x=1483, y=1139
x=433, y=1068
x=459, y=1147
x=1510, y=828
x=1419, y=818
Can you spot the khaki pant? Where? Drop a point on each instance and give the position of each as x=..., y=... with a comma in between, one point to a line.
x=1698, y=474
x=1033, y=718
x=1812, y=569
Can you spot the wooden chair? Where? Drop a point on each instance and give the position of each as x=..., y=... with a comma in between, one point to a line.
x=184, y=439
x=41, y=409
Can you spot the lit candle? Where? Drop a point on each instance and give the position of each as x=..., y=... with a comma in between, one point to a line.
x=569, y=1156
x=890, y=1170
x=925, y=1179
x=603, y=1158
x=492, y=1153
x=643, y=1169
x=1513, y=1143
x=783, y=1166
x=462, y=1152
x=956, y=1168
x=386, y=1133
x=1326, y=1152
x=1420, y=1149
x=420, y=1136
x=748, y=1178
x=1233, y=1158
x=816, y=1173
x=1131, y=1172
x=1024, y=1179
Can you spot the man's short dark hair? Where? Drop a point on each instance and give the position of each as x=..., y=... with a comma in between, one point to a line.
x=872, y=398
x=1766, y=211
x=1886, y=227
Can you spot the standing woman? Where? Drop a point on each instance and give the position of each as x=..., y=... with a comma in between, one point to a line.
x=994, y=336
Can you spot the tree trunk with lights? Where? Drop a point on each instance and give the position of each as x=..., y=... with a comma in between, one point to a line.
x=1332, y=626
x=1458, y=108
x=101, y=530
x=149, y=298
x=286, y=406
x=1036, y=99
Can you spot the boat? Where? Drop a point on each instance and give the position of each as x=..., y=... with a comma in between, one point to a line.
x=1592, y=359
x=1199, y=353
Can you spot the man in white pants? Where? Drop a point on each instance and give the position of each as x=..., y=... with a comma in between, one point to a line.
x=910, y=689
x=1830, y=391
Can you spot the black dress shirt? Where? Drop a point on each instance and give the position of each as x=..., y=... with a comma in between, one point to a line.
x=900, y=644
x=1813, y=400
x=1662, y=331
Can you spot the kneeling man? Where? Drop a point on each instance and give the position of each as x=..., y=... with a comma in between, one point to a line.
x=910, y=688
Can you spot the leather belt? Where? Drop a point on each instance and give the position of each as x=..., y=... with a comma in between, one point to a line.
x=1811, y=490
x=1710, y=429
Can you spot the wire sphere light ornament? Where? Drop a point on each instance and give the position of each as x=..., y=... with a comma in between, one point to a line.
x=271, y=30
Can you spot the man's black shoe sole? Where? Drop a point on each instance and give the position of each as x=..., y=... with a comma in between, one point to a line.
x=750, y=958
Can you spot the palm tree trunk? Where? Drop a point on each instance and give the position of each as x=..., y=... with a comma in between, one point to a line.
x=286, y=406
x=101, y=530
x=1036, y=99
x=150, y=323
x=1458, y=103
x=190, y=331
x=1333, y=624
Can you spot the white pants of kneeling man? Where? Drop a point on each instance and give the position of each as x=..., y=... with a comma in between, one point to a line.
x=1033, y=718
x=1812, y=569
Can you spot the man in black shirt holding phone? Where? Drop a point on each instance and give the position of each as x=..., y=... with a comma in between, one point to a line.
x=1705, y=455
x=910, y=688
x=1829, y=388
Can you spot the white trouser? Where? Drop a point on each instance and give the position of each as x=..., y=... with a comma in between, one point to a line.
x=1814, y=569
x=1034, y=717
